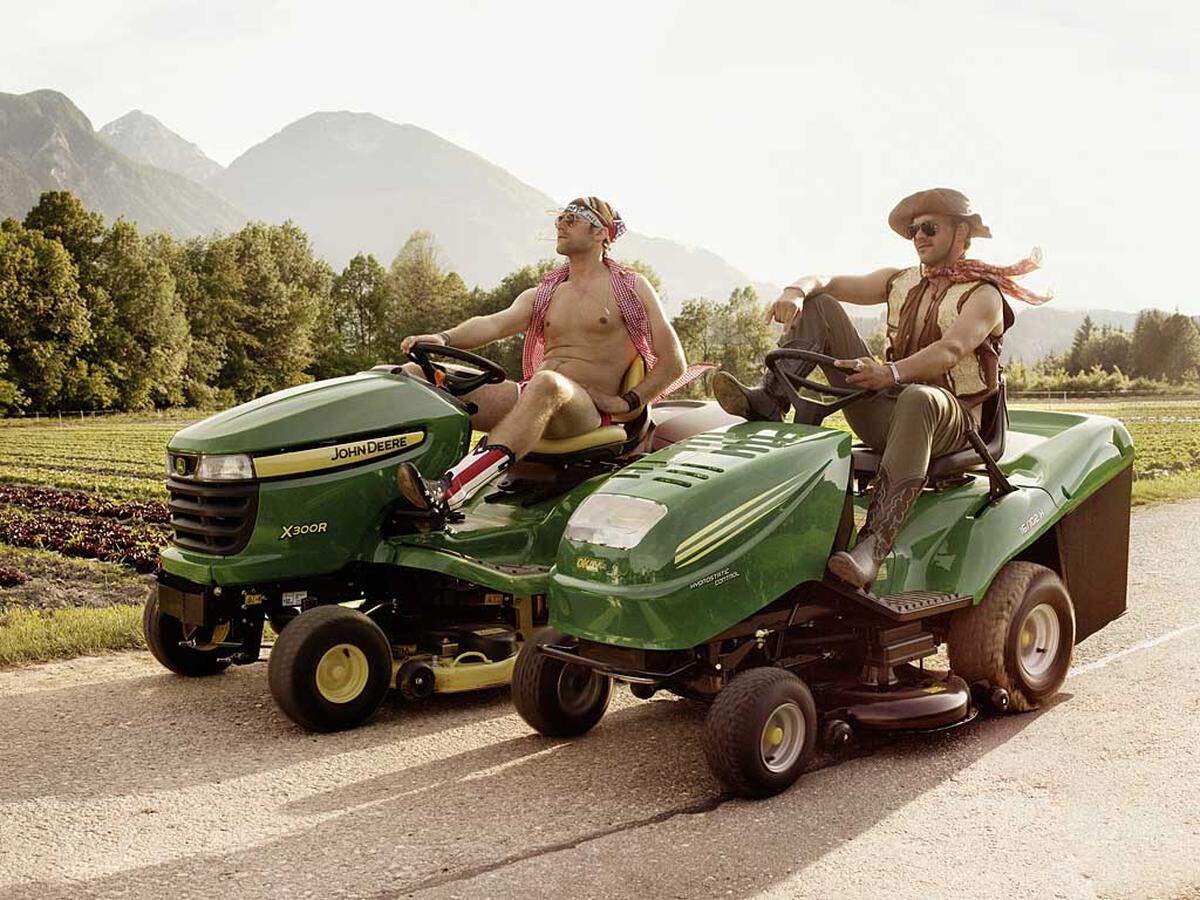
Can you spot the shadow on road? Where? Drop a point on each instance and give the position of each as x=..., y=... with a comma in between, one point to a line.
x=461, y=822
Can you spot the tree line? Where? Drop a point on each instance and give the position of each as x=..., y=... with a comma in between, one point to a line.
x=1161, y=353
x=102, y=317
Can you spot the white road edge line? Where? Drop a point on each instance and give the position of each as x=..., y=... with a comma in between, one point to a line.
x=1141, y=645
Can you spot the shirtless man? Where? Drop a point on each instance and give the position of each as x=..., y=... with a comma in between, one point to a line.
x=946, y=317
x=584, y=326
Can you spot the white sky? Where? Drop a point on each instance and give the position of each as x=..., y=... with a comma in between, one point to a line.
x=776, y=134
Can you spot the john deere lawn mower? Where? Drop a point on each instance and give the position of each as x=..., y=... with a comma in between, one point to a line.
x=286, y=510
x=699, y=569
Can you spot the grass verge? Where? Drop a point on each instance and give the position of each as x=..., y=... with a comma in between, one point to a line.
x=1164, y=488
x=31, y=635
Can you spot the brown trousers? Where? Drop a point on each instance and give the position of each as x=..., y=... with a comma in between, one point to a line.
x=908, y=423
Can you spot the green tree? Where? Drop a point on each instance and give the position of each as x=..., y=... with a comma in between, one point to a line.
x=280, y=289
x=1107, y=349
x=352, y=326
x=1082, y=335
x=43, y=319
x=62, y=217
x=1146, y=348
x=145, y=342
x=1181, y=347
x=418, y=284
x=736, y=334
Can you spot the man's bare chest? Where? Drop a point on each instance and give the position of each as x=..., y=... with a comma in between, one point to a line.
x=581, y=314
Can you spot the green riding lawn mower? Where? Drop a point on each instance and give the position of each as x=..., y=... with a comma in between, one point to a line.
x=286, y=510
x=699, y=569
x=683, y=550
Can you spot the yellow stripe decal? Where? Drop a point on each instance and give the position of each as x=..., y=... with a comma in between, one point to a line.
x=764, y=497
x=315, y=459
x=704, y=551
x=750, y=512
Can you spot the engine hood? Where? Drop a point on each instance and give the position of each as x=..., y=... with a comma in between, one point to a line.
x=743, y=514
x=368, y=403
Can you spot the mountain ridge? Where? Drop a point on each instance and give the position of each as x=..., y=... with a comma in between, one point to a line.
x=145, y=139
x=359, y=182
x=48, y=144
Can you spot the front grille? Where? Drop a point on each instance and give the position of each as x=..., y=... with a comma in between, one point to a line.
x=212, y=518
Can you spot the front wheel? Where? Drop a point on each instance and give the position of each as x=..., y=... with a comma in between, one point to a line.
x=1019, y=639
x=761, y=732
x=556, y=698
x=163, y=636
x=330, y=669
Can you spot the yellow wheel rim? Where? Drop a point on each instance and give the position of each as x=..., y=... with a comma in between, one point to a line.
x=342, y=673
x=774, y=736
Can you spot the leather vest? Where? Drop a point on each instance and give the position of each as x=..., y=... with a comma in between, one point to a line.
x=973, y=378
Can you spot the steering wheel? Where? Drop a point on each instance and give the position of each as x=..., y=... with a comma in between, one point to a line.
x=810, y=412
x=455, y=383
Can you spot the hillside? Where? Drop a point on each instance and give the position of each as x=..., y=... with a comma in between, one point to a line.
x=144, y=139
x=47, y=144
x=355, y=181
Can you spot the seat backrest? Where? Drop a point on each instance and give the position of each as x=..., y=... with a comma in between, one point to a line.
x=634, y=375
x=993, y=420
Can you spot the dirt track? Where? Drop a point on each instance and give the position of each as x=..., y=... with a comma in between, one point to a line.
x=122, y=780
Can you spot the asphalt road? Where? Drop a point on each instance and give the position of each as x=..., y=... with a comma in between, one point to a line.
x=120, y=780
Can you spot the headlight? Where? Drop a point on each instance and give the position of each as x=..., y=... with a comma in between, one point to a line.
x=233, y=467
x=613, y=520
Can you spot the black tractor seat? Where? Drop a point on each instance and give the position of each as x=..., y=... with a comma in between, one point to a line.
x=993, y=429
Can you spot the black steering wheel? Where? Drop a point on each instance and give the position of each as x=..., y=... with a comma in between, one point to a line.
x=810, y=412
x=454, y=382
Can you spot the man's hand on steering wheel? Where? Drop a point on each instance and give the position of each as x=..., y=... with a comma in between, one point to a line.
x=452, y=380
x=867, y=373
x=406, y=344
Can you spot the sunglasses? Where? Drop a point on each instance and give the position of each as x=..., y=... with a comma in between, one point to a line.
x=927, y=228
x=569, y=219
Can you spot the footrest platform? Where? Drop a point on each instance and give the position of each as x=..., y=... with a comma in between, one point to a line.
x=908, y=606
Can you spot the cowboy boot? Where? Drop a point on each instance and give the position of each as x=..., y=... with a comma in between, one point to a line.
x=767, y=401
x=427, y=497
x=890, y=505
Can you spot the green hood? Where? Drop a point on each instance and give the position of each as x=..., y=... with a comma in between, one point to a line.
x=328, y=411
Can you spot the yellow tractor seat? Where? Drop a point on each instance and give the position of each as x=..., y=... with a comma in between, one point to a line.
x=626, y=427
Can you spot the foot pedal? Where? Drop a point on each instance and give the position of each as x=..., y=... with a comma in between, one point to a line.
x=908, y=606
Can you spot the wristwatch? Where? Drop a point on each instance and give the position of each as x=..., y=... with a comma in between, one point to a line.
x=895, y=372
x=632, y=398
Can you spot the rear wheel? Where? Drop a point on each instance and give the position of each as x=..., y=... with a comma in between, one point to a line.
x=556, y=698
x=761, y=732
x=1020, y=639
x=330, y=669
x=163, y=635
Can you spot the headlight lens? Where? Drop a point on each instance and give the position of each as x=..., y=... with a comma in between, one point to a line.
x=614, y=520
x=232, y=467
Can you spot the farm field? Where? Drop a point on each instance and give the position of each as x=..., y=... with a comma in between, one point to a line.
x=83, y=514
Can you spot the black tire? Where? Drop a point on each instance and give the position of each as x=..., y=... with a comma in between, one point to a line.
x=557, y=699
x=163, y=634
x=361, y=675
x=985, y=640
x=738, y=720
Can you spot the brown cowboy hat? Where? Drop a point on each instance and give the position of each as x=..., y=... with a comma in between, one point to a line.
x=936, y=201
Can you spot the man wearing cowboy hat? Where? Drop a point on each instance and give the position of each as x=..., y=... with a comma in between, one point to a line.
x=945, y=320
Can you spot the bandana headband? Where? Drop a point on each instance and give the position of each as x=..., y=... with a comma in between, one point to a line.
x=615, y=230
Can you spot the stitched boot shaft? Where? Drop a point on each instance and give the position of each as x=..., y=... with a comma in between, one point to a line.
x=890, y=505
x=766, y=401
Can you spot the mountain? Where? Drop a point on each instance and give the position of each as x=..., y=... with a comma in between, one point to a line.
x=355, y=181
x=47, y=144
x=144, y=139
x=1042, y=330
